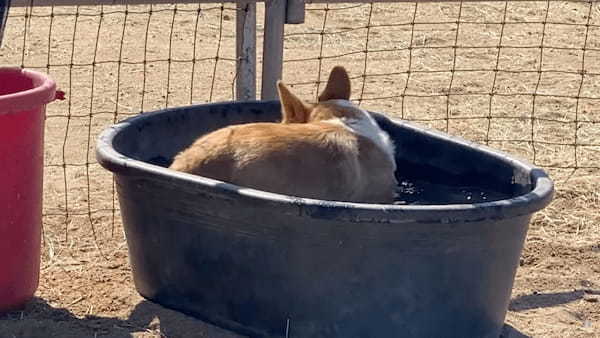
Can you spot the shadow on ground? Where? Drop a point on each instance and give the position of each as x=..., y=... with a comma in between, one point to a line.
x=541, y=300
x=41, y=320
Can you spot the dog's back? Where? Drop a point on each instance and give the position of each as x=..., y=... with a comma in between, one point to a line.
x=332, y=150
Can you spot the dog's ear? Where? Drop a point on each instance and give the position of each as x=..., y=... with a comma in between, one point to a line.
x=293, y=109
x=338, y=85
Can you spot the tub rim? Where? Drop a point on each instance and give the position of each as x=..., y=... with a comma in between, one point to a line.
x=526, y=204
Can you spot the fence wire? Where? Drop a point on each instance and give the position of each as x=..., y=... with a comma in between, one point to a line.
x=113, y=62
x=520, y=76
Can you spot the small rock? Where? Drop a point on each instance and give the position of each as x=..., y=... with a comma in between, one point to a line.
x=591, y=298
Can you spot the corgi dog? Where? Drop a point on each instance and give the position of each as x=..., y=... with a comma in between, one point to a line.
x=332, y=150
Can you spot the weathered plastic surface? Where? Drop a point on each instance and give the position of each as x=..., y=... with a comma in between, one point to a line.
x=263, y=264
x=23, y=98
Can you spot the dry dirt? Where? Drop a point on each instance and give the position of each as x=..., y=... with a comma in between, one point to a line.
x=86, y=289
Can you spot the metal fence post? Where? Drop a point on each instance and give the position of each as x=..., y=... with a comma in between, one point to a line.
x=275, y=12
x=295, y=11
x=245, y=38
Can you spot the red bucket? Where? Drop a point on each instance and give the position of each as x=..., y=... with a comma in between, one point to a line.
x=23, y=98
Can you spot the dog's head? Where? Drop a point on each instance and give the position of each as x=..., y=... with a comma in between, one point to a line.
x=333, y=101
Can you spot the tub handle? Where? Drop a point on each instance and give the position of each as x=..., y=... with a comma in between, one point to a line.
x=59, y=95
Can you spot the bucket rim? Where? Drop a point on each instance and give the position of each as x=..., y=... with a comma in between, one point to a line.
x=43, y=92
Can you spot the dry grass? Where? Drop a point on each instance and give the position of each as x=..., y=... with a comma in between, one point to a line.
x=86, y=285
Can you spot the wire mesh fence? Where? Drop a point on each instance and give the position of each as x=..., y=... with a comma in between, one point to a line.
x=520, y=76
x=113, y=62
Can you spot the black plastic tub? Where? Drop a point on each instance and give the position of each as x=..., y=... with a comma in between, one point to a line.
x=440, y=265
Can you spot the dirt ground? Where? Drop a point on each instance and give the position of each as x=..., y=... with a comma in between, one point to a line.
x=116, y=61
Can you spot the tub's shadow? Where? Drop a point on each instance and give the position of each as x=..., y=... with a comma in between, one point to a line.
x=41, y=320
x=541, y=300
x=510, y=332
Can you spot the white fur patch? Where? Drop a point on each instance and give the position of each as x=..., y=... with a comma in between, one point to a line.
x=365, y=126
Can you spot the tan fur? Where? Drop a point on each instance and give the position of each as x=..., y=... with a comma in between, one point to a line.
x=338, y=85
x=301, y=156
